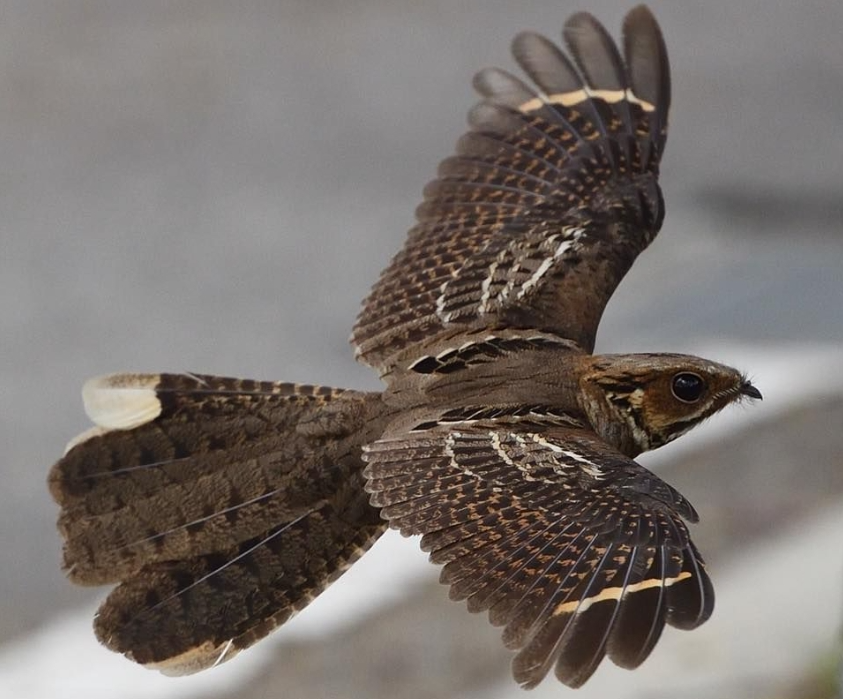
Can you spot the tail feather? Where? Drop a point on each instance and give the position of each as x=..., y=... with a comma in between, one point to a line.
x=188, y=615
x=150, y=426
x=243, y=499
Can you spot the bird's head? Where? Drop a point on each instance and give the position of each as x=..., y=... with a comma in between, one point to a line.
x=639, y=402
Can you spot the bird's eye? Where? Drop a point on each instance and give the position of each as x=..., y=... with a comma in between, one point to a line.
x=688, y=387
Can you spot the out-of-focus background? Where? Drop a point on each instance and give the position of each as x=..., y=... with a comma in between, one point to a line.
x=213, y=186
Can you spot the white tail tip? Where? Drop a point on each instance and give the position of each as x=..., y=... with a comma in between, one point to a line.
x=122, y=401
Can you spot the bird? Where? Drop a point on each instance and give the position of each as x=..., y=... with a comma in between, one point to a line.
x=220, y=507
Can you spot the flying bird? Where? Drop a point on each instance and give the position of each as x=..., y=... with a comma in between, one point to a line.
x=220, y=507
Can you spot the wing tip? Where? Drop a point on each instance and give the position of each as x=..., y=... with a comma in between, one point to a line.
x=645, y=54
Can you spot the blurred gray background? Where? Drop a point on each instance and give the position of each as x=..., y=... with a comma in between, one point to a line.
x=213, y=186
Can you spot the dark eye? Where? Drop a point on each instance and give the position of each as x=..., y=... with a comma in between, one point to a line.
x=687, y=387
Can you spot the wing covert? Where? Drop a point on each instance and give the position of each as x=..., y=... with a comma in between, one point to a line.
x=548, y=200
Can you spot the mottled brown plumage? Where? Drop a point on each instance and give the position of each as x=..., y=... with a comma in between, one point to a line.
x=222, y=506
x=230, y=510
x=548, y=201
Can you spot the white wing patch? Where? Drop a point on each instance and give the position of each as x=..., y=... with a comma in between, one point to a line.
x=575, y=97
x=579, y=606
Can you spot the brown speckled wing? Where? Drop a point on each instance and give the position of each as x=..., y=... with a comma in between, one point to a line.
x=545, y=205
x=576, y=550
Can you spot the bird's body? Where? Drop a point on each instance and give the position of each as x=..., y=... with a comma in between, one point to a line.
x=222, y=506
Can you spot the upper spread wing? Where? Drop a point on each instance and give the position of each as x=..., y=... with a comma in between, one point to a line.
x=550, y=197
x=578, y=551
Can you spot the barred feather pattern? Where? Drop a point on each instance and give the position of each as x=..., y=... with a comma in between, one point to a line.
x=189, y=614
x=576, y=551
x=221, y=506
x=549, y=199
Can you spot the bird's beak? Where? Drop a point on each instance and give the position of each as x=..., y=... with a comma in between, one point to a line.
x=747, y=389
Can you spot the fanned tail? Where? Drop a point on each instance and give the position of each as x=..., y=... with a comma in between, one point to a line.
x=184, y=616
x=242, y=499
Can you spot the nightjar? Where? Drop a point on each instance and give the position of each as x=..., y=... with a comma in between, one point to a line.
x=221, y=506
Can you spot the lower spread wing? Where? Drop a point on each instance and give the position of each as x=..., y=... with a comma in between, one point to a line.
x=547, y=202
x=578, y=551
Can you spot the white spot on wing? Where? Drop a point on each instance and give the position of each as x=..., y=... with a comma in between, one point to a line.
x=122, y=401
